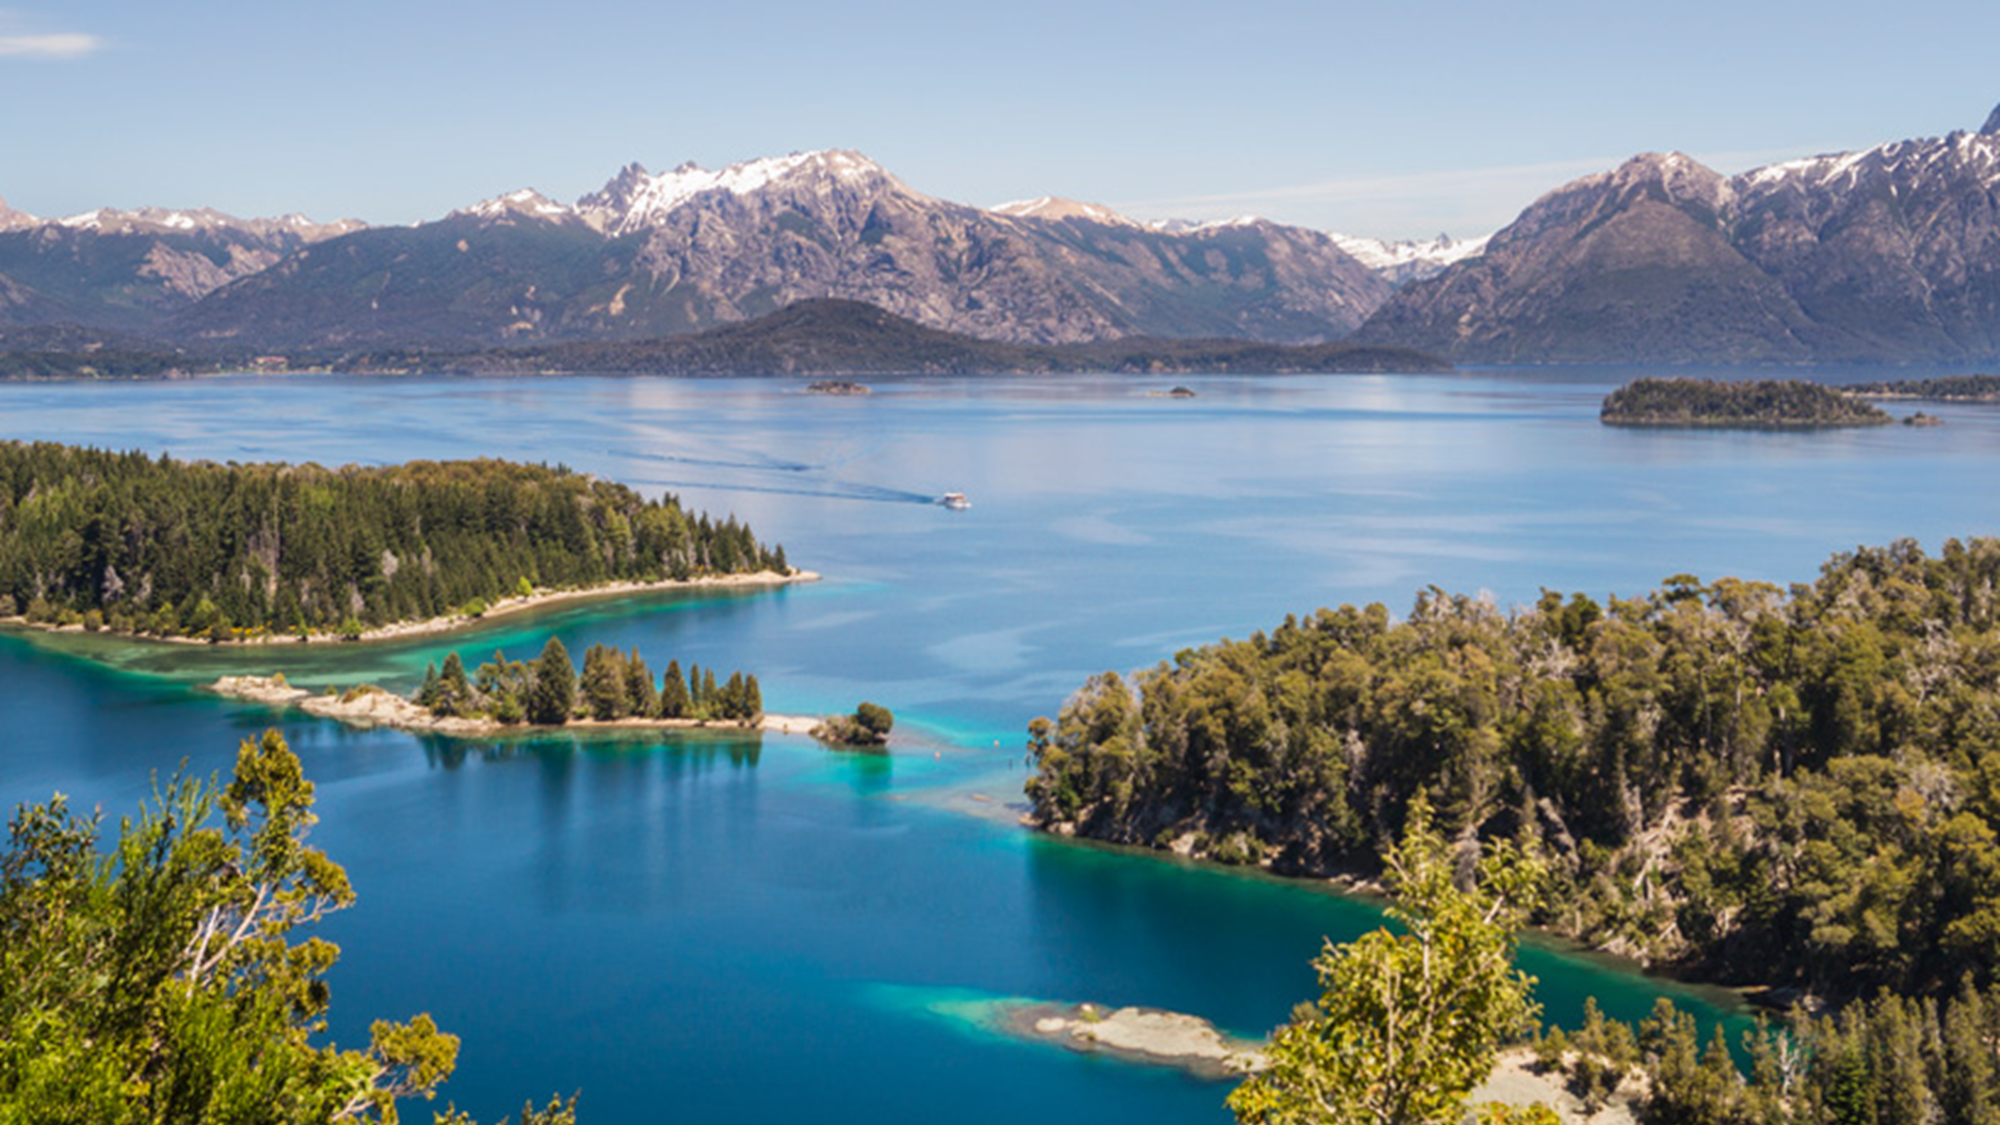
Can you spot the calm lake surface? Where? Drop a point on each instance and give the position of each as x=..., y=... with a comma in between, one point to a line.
x=700, y=927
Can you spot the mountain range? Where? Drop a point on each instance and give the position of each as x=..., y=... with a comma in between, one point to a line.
x=657, y=254
x=1888, y=255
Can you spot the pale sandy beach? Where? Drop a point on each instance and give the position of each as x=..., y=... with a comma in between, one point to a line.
x=371, y=706
x=501, y=608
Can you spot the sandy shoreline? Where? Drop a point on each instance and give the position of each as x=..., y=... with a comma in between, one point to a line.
x=452, y=622
x=370, y=706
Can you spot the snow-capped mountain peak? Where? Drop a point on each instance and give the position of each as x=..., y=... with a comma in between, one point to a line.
x=635, y=199
x=157, y=220
x=11, y=219
x=526, y=202
x=1055, y=208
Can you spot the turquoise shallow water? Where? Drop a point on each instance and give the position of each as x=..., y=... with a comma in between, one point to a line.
x=687, y=928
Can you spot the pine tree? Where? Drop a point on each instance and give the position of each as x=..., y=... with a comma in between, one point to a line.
x=604, y=693
x=641, y=698
x=427, y=695
x=454, y=694
x=552, y=694
x=731, y=706
x=674, y=700
x=753, y=699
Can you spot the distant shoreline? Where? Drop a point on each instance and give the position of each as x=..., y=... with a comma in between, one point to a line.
x=400, y=630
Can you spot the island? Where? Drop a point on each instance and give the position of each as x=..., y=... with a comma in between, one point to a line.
x=1950, y=388
x=867, y=729
x=1751, y=404
x=837, y=387
x=613, y=691
x=252, y=553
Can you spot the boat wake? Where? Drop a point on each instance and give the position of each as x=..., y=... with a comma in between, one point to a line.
x=871, y=493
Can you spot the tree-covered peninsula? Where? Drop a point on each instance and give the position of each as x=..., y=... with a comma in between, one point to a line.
x=155, y=545
x=1752, y=404
x=1949, y=388
x=1791, y=787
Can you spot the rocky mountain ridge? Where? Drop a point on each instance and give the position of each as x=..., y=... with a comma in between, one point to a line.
x=131, y=269
x=656, y=254
x=1887, y=255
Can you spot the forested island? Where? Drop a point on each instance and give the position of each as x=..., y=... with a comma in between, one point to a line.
x=1950, y=388
x=1752, y=785
x=1751, y=404
x=167, y=548
x=612, y=688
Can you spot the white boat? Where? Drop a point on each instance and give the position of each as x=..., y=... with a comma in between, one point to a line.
x=956, y=501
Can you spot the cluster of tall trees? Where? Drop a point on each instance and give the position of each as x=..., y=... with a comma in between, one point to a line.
x=164, y=979
x=548, y=690
x=154, y=545
x=1888, y=1060
x=1794, y=787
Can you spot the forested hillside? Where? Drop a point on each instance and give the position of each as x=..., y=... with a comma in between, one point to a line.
x=1758, y=785
x=143, y=544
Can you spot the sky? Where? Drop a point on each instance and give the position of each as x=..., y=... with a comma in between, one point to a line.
x=1387, y=119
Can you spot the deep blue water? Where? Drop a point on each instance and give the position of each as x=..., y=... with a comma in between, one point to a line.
x=700, y=927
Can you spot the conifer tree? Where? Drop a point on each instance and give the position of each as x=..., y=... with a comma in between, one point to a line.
x=641, y=698
x=674, y=700
x=753, y=699
x=604, y=692
x=552, y=694
x=454, y=696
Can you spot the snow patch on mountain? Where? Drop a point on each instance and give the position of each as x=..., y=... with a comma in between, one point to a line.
x=156, y=220
x=1054, y=208
x=636, y=199
x=1410, y=259
x=525, y=202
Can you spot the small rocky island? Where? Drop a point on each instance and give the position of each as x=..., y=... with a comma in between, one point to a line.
x=1751, y=404
x=836, y=387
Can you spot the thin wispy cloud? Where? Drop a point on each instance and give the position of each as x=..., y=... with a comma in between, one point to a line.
x=63, y=45
x=23, y=36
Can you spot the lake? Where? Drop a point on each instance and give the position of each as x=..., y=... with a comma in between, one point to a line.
x=691, y=927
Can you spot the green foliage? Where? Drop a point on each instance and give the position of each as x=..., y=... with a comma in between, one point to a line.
x=1791, y=788
x=612, y=686
x=641, y=697
x=675, y=702
x=1756, y=402
x=1950, y=388
x=552, y=693
x=1407, y=1023
x=868, y=726
x=605, y=696
x=180, y=547
x=163, y=983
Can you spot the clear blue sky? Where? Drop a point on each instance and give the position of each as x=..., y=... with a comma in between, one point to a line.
x=1393, y=119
